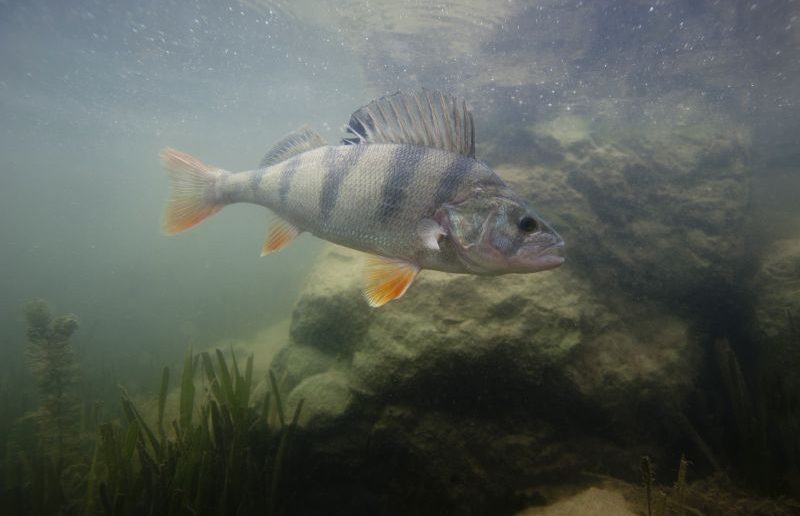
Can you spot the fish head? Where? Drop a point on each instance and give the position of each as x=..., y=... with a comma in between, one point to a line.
x=496, y=233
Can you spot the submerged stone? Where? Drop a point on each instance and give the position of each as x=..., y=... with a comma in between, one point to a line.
x=500, y=382
x=325, y=396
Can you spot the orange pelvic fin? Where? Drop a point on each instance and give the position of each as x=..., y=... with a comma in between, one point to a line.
x=387, y=279
x=192, y=198
x=281, y=234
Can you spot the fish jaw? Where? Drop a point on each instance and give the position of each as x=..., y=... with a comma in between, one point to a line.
x=536, y=259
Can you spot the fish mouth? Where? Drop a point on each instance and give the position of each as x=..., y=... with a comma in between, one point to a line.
x=555, y=250
x=554, y=246
x=536, y=258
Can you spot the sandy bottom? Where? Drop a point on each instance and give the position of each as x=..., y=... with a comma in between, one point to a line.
x=594, y=501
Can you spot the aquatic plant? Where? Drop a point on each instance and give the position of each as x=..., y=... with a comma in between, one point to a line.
x=53, y=366
x=655, y=500
x=42, y=466
x=221, y=454
x=766, y=425
x=219, y=457
x=711, y=496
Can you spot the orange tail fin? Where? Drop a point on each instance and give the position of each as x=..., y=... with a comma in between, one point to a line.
x=193, y=197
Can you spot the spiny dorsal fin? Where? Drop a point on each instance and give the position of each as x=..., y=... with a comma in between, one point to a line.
x=428, y=118
x=294, y=143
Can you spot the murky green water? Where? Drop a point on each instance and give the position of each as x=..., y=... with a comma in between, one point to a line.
x=660, y=138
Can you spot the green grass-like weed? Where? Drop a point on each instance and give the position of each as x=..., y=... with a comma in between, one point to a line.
x=222, y=454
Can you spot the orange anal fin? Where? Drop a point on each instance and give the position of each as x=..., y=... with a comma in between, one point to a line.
x=281, y=234
x=387, y=279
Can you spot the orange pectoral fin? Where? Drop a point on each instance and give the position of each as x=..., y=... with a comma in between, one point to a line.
x=281, y=234
x=387, y=279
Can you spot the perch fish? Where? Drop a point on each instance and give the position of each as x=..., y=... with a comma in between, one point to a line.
x=404, y=186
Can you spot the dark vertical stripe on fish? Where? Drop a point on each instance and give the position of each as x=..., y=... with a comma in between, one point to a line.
x=405, y=163
x=256, y=178
x=285, y=181
x=336, y=171
x=451, y=179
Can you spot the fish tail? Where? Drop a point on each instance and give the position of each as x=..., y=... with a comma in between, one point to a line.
x=194, y=194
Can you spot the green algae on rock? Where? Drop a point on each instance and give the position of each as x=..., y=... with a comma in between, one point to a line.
x=533, y=351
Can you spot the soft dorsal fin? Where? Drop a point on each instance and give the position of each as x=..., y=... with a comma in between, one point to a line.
x=294, y=143
x=428, y=118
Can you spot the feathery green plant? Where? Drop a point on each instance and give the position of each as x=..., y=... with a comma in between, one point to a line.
x=53, y=366
x=43, y=466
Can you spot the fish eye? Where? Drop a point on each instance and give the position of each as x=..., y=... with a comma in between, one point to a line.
x=528, y=224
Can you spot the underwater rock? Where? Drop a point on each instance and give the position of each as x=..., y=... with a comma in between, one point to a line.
x=567, y=376
x=317, y=318
x=298, y=362
x=455, y=337
x=326, y=396
x=476, y=465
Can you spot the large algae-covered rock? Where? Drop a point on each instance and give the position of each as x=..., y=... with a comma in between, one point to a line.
x=453, y=336
x=326, y=317
x=481, y=386
x=472, y=465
